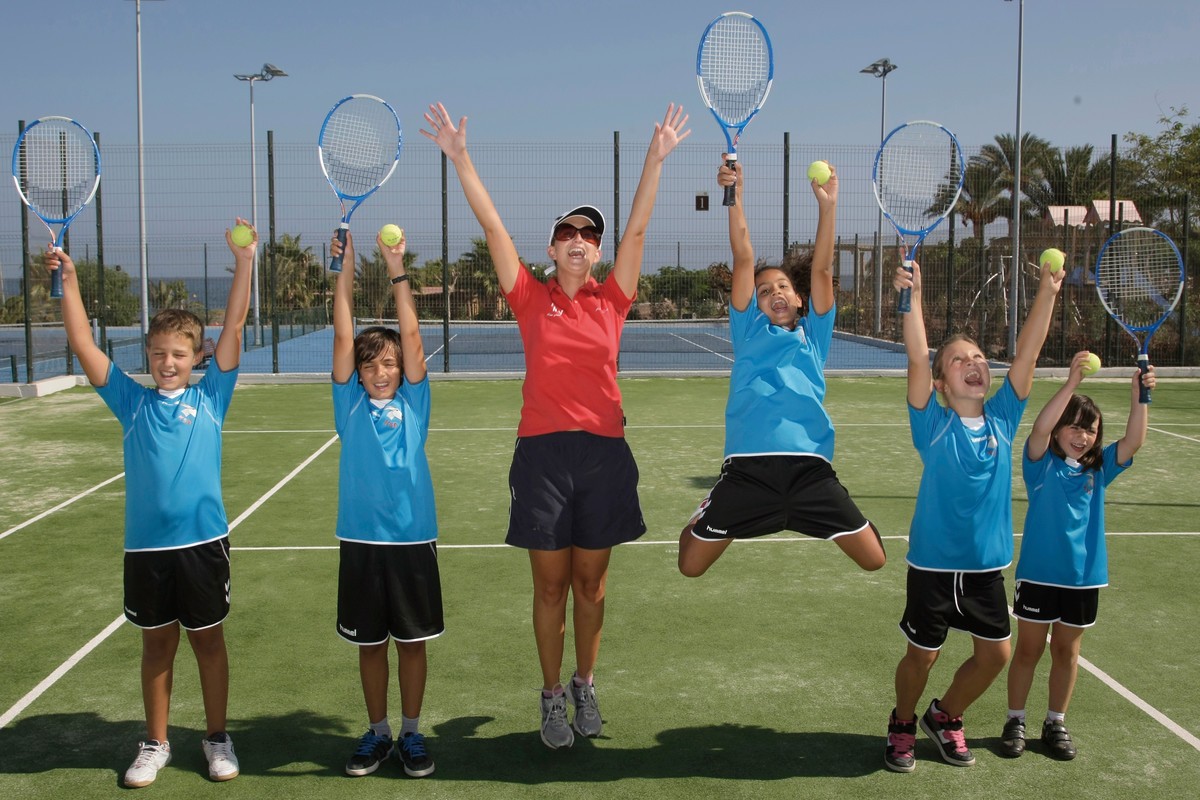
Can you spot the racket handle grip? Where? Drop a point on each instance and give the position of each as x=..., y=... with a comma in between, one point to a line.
x=335, y=263
x=730, y=191
x=904, y=304
x=1143, y=390
x=56, y=284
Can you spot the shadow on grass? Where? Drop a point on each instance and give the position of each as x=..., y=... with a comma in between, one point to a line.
x=304, y=743
x=714, y=751
x=293, y=744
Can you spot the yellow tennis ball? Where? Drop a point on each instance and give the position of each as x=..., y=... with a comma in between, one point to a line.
x=1055, y=256
x=1092, y=365
x=391, y=235
x=241, y=235
x=819, y=171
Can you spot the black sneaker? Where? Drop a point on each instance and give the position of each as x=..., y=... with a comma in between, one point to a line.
x=901, y=742
x=947, y=731
x=372, y=750
x=1057, y=739
x=417, y=763
x=1012, y=739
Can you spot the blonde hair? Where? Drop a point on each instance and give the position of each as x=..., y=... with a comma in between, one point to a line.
x=938, y=369
x=178, y=322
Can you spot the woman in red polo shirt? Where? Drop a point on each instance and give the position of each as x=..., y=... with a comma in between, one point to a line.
x=573, y=479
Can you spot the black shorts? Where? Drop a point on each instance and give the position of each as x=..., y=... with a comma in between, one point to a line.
x=573, y=489
x=189, y=585
x=758, y=495
x=1037, y=602
x=389, y=590
x=972, y=602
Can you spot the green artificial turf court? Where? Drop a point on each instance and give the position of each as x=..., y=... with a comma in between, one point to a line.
x=771, y=676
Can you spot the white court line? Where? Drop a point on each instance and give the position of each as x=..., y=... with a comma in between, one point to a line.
x=1176, y=435
x=702, y=347
x=112, y=627
x=63, y=669
x=60, y=506
x=1139, y=703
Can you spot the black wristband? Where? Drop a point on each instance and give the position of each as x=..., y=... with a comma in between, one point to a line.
x=399, y=279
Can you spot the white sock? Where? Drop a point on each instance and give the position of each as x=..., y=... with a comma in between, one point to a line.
x=1055, y=716
x=1019, y=713
x=382, y=728
x=409, y=724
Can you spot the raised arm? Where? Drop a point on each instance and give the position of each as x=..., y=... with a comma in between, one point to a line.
x=75, y=319
x=667, y=134
x=821, y=292
x=916, y=345
x=453, y=142
x=343, y=309
x=229, y=346
x=1139, y=417
x=406, y=311
x=1043, y=427
x=739, y=236
x=1033, y=333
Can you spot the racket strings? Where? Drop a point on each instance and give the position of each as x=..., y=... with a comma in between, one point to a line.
x=917, y=175
x=1139, y=277
x=735, y=68
x=359, y=145
x=57, y=168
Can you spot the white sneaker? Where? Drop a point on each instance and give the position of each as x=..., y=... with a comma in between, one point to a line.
x=152, y=756
x=222, y=763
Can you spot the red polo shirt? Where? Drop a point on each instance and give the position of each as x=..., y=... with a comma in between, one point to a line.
x=571, y=348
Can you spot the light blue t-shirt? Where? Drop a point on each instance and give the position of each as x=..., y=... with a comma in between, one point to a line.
x=172, y=459
x=1063, y=543
x=963, y=516
x=385, y=491
x=776, y=400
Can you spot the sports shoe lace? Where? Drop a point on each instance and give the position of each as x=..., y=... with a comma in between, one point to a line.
x=954, y=734
x=414, y=745
x=146, y=755
x=367, y=744
x=902, y=742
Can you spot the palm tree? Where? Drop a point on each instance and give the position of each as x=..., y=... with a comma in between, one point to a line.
x=297, y=276
x=982, y=200
x=1002, y=157
x=1071, y=178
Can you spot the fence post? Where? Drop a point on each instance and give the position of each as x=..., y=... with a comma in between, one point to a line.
x=787, y=190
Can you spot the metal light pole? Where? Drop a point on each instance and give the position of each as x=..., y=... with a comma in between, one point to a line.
x=141, y=168
x=268, y=72
x=1016, y=218
x=880, y=69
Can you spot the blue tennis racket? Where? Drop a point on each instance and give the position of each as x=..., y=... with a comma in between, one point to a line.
x=56, y=168
x=917, y=177
x=734, y=68
x=1139, y=277
x=359, y=145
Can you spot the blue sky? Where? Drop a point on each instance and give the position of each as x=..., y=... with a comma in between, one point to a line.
x=552, y=71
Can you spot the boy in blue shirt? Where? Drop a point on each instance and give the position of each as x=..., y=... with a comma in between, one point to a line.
x=388, y=581
x=961, y=535
x=176, y=533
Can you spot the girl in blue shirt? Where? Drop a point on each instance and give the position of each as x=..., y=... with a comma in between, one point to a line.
x=778, y=471
x=1063, y=560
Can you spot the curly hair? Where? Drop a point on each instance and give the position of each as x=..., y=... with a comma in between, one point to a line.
x=797, y=266
x=1082, y=411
